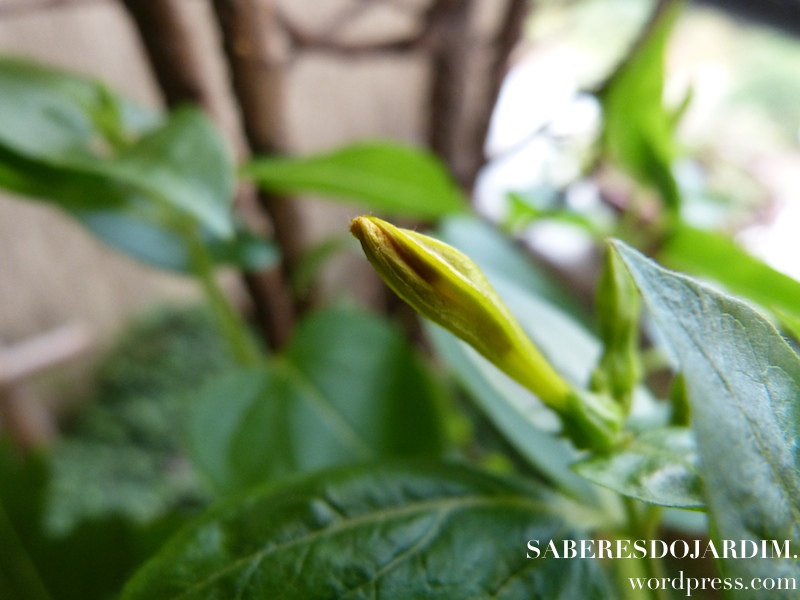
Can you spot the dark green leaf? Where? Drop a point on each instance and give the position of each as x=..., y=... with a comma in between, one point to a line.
x=659, y=467
x=743, y=383
x=395, y=179
x=393, y=532
x=718, y=257
x=637, y=129
x=348, y=388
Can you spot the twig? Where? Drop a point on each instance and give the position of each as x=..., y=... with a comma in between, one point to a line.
x=167, y=41
x=447, y=29
x=182, y=78
x=257, y=54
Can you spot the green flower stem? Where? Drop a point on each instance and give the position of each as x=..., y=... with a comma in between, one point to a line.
x=643, y=521
x=233, y=328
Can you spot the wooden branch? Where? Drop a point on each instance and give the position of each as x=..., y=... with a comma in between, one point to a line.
x=446, y=32
x=28, y=6
x=181, y=75
x=167, y=41
x=257, y=53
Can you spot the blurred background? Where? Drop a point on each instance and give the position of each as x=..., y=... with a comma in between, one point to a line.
x=506, y=92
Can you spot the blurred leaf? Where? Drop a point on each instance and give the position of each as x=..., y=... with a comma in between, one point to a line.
x=743, y=383
x=316, y=538
x=637, y=129
x=522, y=213
x=390, y=178
x=716, y=256
x=185, y=164
x=163, y=248
x=347, y=388
x=56, y=117
x=658, y=466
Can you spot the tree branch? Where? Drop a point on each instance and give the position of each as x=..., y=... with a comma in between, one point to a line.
x=181, y=75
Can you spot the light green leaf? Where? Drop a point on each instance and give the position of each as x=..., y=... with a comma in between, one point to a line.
x=161, y=247
x=386, y=531
x=347, y=388
x=390, y=178
x=743, y=383
x=637, y=129
x=185, y=164
x=716, y=256
x=56, y=117
x=659, y=467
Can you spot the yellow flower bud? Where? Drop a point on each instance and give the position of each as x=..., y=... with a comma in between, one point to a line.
x=445, y=286
x=448, y=288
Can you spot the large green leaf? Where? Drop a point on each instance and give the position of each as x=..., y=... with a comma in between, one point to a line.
x=69, y=141
x=185, y=164
x=637, y=129
x=347, y=388
x=395, y=179
x=743, y=383
x=56, y=117
x=659, y=467
x=387, y=532
x=716, y=256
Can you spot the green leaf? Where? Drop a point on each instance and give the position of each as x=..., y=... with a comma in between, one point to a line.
x=185, y=164
x=347, y=388
x=399, y=532
x=743, y=383
x=386, y=177
x=637, y=129
x=53, y=116
x=659, y=467
x=716, y=256
x=163, y=248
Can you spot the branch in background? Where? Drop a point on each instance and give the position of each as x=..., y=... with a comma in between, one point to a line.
x=257, y=55
x=503, y=45
x=447, y=31
x=181, y=76
x=166, y=37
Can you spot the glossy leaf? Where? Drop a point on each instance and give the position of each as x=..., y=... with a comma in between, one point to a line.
x=391, y=178
x=347, y=388
x=637, y=129
x=716, y=256
x=385, y=531
x=659, y=467
x=743, y=384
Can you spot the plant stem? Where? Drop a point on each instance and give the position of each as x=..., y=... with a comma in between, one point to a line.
x=644, y=529
x=241, y=344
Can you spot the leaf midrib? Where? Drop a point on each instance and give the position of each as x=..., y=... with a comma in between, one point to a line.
x=445, y=505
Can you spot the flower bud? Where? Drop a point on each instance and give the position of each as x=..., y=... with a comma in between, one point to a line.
x=445, y=286
x=448, y=288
